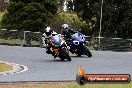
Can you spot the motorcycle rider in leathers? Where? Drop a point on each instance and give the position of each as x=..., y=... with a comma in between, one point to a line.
x=47, y=35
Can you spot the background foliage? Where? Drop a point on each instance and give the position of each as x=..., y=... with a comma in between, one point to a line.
x=72, y=19
x=117, y=16
x=35, y=15
x=31, y=15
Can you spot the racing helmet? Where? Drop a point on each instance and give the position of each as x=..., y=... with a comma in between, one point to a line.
x=48, y=31
x=65, y=26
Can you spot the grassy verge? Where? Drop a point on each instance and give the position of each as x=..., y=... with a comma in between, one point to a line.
x=11, y=41
x=64, y=85
x=15, y=42
x=4, y=67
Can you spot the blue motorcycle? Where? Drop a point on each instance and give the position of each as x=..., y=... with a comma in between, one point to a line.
x=78, y=45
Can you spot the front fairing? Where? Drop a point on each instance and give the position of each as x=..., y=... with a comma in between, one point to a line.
x=57, y=41
x=77, y=38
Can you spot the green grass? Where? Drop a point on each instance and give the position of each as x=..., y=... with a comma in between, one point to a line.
x=4, y=67
x=15, y=42
x=101, y=86
x=64, y=85
x=11, y=41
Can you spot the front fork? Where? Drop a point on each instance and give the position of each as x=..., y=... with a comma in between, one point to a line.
x=84, y=46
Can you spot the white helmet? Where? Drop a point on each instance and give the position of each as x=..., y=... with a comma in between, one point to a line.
x=48, y=31
x=65, y=26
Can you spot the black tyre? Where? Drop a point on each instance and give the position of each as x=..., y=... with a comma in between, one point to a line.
x=68, y=58
x=61, y=57
x=65, y=55
x=88, y=53
x=79, y=53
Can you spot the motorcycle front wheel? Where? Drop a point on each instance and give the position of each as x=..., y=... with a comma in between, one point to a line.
x=88, y=53
x=64, y=55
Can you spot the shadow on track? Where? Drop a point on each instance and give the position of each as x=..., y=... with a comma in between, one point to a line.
x=56, y=60
x=79, y=56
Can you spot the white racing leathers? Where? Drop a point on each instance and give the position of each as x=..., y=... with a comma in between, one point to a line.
x=45, y=39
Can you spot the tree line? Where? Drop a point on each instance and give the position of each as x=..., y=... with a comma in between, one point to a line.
x=117, y=16
x=35, y=15
x=31, y=15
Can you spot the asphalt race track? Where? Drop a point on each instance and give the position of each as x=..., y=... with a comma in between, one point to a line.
x=43, y=67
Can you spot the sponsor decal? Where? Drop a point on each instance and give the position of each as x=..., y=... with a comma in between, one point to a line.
x=83, y=78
